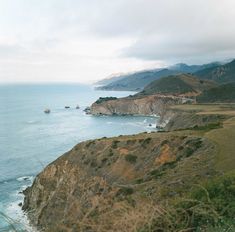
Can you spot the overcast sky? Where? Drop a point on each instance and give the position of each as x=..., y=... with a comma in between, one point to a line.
x=86, y=40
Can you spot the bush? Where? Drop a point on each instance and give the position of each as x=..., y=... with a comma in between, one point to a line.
x=131, y=158
x=210, y=207
x=115, y=144
x=124, y=191
x=104, y=99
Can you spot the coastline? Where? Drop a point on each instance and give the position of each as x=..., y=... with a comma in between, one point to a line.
x=120, y=172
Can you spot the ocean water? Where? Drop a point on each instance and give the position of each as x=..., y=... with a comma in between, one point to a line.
x=31, y=139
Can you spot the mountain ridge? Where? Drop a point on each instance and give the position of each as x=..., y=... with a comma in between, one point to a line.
x=136, y=81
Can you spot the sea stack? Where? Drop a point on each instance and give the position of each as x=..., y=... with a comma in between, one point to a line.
x=47, y=111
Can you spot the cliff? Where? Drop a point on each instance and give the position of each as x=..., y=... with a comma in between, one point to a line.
x=147, y=105
x=155, y=97
x=140, y=182
x=106, y=184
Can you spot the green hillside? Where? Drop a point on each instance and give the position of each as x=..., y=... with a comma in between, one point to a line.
x=221, y=73
x=178, y=84
x=138, y=80
x=222, y=93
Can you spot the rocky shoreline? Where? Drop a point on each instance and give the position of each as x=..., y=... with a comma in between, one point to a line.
x=99, y=183
x=147, y=105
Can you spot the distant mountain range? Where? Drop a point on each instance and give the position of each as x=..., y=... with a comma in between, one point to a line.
x=138, y=80
x=192, y=68
x=220, y=73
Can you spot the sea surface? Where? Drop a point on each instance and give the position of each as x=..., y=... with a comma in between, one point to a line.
x=31, y=139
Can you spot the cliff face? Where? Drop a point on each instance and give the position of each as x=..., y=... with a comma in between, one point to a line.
x=148, y=105
x=111, y=184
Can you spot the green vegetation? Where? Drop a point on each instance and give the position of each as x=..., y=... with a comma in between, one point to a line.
x=179, y=84
x=115, y=144
x=137, y=81
x=208, y=127
x=208, y=207
x=221, y=73
x=104, y=99
x=222, y=93
x=131, y=158
x=124, y=191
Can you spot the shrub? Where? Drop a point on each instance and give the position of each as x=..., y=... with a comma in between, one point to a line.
x=188, y=151
x=124, y=191
x=104, y=99
x=104, y=160
x=210, y=207
x=131, y=158
x=114, y=144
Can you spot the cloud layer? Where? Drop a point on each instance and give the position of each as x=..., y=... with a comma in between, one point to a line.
x=80, y=41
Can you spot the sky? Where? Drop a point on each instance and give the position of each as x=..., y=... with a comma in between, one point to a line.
x=87, y=40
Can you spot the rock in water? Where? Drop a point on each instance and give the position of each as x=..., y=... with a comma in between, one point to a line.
x=47, y=111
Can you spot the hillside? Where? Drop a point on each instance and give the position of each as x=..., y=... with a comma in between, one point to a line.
x=186, y=84
x=108, y=80
x=222, y=93
x=138, y=80
x=221, y=73
x=175, y=181
x=155, y=97
x=184, y=68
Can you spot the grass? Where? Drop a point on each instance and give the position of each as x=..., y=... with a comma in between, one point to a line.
x=209, y=108
x=208, y=207
x=224, y=139
x=209, y=126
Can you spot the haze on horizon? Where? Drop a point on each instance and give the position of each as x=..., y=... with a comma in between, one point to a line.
x=83, y=41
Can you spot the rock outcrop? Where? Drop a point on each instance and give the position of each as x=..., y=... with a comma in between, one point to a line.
x=147, y=105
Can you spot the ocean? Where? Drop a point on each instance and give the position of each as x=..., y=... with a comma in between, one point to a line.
x=31, y=139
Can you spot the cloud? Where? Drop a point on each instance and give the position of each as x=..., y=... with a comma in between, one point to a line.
x=173, y=30
x=88, y=40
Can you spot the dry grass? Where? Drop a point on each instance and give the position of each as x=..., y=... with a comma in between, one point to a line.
x=205, y=107
x=225, y=140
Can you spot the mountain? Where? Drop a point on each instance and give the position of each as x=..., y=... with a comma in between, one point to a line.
x=184, y=68
x=222, y=93
x=221, y=73
x=137, y=81
x=186, y=84
x=109, y=79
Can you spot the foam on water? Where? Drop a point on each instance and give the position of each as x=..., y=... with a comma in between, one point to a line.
x=25, y=178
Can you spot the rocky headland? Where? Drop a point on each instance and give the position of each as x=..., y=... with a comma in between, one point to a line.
x=133, y=183
x=179, y=179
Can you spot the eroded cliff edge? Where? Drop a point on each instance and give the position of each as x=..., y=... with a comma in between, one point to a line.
x=147, y=105
x=117, y=184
